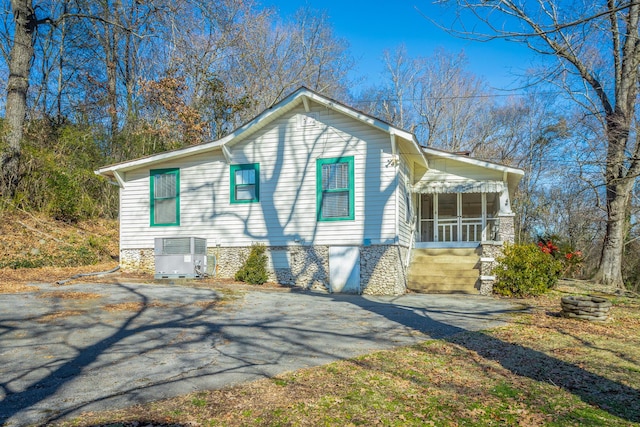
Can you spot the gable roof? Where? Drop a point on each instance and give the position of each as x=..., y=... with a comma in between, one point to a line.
x=302, y=96
x=471, y=161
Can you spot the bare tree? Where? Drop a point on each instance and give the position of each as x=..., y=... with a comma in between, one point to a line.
x=527, y=132
x=435, y=97
x=393, y=101
x=450, y=102
x=274, y=57
x=596, y=46
x=21, y=59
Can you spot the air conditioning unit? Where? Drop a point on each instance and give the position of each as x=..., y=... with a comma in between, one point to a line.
x=180, y=257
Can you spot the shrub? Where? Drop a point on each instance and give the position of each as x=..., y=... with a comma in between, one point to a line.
x=254, y=269
x=64, y=202
x=526, y=270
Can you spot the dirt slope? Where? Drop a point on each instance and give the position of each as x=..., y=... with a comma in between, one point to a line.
x=37, y=248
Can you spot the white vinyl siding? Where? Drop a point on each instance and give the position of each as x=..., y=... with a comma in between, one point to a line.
x=449, y=170
x=406, y=213
x=286, y=213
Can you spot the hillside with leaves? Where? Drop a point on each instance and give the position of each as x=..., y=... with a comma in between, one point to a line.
x=30, y=240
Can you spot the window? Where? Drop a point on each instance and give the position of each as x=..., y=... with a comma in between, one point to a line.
x=165, y=197
x=245, y=183
x=335, y=195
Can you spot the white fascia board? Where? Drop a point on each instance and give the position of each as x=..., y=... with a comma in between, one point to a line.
x=113, y=177
x=108, y=171
x=472, y=161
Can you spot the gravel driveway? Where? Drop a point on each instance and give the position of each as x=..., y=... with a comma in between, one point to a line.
x=69, y=349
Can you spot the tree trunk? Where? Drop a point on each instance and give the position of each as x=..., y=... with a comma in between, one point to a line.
x=112, y=83
x=619, y=184
x=17, y=87
x=610, y=270
x=61, y=63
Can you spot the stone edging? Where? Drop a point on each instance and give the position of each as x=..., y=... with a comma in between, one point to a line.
x=595, y=309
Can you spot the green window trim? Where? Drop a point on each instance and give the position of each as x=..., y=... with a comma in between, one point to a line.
x=244, y=183
x=164, y=197
x=330, y=184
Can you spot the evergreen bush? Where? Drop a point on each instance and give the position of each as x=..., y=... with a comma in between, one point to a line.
x=525, y=270
x=254, y=269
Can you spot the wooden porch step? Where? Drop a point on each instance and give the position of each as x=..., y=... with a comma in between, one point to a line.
x=446, y=261
x=443, y=274
x=444, y=270
x=474, y=251
x=441, y=288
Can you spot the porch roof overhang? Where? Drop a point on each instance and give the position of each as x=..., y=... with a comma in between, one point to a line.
x=434, y=187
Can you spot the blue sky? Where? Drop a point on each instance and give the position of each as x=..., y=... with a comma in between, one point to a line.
x=373, y=26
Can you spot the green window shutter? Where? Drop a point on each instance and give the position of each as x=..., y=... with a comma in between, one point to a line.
x=335, y=189
x=245, y=183
x=165, y=197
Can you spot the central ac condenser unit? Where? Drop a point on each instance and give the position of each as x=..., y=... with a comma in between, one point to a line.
x=180, y=257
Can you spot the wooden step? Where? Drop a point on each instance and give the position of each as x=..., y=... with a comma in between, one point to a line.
x=441, y=288
x=443, y=259
x=444, y=270
x=444, y=275
x=429, y=266
x=447, y=251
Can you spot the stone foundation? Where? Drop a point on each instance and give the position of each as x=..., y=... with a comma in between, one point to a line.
x=137, y=261
x=228, y=260
x=492, y=250
x=382, y=267
x=309, y=268
x=382, y=270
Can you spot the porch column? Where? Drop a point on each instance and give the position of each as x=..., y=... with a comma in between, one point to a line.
x=507, y=227
x=492, y=250
x=505, y=202
x=506, y=217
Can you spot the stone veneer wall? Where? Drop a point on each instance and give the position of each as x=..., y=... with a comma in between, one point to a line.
x=382, y=270
x=308, y=266
x=507, y=228
x=493, y=249
x=490, y=251
x=137, y=261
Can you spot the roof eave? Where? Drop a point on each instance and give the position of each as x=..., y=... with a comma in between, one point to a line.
x=302, y=95
x=472, y=161
x=107, y=171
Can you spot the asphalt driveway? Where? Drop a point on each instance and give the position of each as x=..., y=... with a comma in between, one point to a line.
x=69, y=349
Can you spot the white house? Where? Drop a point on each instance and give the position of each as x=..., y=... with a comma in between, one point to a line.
x=343, y=202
